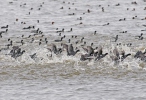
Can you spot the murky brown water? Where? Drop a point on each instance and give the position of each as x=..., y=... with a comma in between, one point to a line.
x=66, y=77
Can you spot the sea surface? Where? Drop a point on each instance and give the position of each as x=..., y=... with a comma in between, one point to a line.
x=62, y=77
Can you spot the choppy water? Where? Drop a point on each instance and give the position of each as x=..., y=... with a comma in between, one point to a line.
x=66, y=77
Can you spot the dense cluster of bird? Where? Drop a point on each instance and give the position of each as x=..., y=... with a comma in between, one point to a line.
x=91, y=53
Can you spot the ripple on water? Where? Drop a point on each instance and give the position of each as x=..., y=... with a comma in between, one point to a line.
x=66, y=77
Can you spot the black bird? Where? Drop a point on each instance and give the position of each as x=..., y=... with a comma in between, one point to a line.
x=22, y=42
x=79, y=18
x=59, y=34
x=124, y=55
x=106, y=24
x=85, y=57
x=8, y=39
x=40, y=43
x=61, y=30
x=32, y=40
x=16, y=52
x=11, y=43
x=68, y=40
x=1, y=35
x=45, y=39
x=116, y=38
x=4, y=27
x=122, y=19
x=27, y=28
x=19, y=54
x=59, y=40
x=101, y=56
x=35, y=31
x=29, y=36
x=94, y=32
x=33, y=56
x=4, y=31
x=70, y=30
x=46, y=42
x=139, y=36
x=98, y=52
x=82, y=39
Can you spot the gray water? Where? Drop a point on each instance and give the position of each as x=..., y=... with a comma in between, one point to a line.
x=66, y=77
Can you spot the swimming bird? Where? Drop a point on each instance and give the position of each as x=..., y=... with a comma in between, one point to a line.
x=46, y=42
x=54, y=49
x=91, y=44
x=140, y=36
x=33, y=56
x=94, y=32
x=68, y=40
x=40, y=43
x=59, y=40
x=35, y=31
x=64, y=47
x=61, y=8
x=38, y=21
x=123, y=32
x=117, y=4
x=82, y=39
x=1, y=35
x=72, y=14
x=70, y=30
x=141, y=55
x=22, y=36
x=101, y=56
x=9, y=39
x=102, y=9
x=22, y=42
x=60, y=30
x=123, y=55
x=4, y=31
x=59, y=34
x=122, y=19
x=11, y=43
x=85, y=57
x=98, y=52
x=79, y=18
x=45, y=39
x=27, y=28
x=116, y=38
x=88, y=11
x=106, y=24
x=29, y=36
x=16, y=52
x=71, y=50
x=89, y=50
x=5, y=48
x=32, y=40
x=4, y=27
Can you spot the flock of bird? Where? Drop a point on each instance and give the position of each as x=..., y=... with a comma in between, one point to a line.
x=64, y=44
